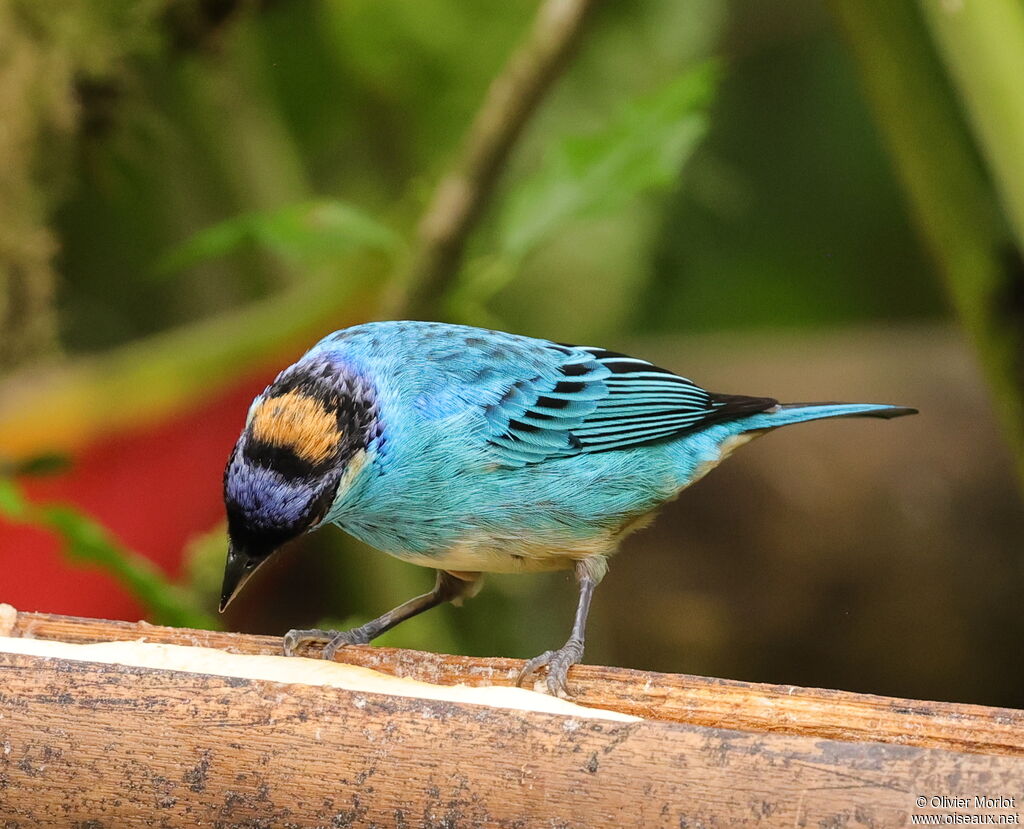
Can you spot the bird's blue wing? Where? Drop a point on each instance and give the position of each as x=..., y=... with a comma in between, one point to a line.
x=533, y=400
x=593, y=400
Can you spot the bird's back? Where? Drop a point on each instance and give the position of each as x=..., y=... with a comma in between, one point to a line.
x=513, y=446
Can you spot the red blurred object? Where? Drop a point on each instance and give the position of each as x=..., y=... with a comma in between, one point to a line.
x=153, y=489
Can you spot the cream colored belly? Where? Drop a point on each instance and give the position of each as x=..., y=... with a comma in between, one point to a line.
x=482, y=560
x=489, y=554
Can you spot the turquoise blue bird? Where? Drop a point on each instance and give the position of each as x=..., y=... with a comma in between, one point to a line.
x=473, y=451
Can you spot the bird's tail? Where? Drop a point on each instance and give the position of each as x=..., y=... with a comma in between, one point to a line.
x=787, y=413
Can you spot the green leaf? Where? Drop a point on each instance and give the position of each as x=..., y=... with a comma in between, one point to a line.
x=643, y=150
x=12, y=503
x=87, y=542
x=308, y=233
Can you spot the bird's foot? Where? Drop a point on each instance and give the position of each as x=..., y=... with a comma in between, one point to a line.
x=295, y=640
x=558, y=663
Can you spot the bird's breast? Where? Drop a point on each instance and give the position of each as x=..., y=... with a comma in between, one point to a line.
x=521, y=553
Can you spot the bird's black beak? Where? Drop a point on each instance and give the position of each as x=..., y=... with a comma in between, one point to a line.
x=237, y=570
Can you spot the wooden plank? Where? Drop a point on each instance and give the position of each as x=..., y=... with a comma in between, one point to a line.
x=94, y=745
x=714, y=703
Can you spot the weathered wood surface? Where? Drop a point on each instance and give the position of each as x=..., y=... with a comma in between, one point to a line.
x=715, y=703
x=84, y=744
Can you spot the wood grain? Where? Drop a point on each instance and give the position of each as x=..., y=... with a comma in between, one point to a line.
x=714, y=703
x=90, y=745
x=84, y=744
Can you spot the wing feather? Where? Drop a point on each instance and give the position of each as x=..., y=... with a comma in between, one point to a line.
x=594, y=400
x=529, y=400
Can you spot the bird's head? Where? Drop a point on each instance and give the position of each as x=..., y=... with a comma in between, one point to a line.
x=305, y=439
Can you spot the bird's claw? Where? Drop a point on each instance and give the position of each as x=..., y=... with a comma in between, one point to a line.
x=356, y=636
x=558, y=663
x=294, y=640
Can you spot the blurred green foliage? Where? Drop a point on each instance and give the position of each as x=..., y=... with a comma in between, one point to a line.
x=308, y=234
x=789, y=215
x=583, y=177
x=586, y=177
x=700, y=167
x=364, y=104
x=228, y=159
x=86, y=543
x=53, y=57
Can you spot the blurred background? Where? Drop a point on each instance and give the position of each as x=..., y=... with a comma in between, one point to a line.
x=803, y=200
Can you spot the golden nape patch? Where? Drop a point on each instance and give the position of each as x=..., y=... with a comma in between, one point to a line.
x=297, y=422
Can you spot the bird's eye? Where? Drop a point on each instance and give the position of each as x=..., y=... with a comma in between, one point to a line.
x=249, y=564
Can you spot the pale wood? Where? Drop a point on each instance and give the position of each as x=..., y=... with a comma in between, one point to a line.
x=110, y=745
x=694, y=700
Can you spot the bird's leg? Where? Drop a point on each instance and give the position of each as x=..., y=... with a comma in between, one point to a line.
x=588, y=573
x=448, y=588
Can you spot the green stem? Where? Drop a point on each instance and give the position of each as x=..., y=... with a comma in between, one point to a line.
x=86, y=542
x=948, y=191
x=982, y=46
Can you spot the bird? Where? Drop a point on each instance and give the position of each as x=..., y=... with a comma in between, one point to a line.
x=472, y=451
